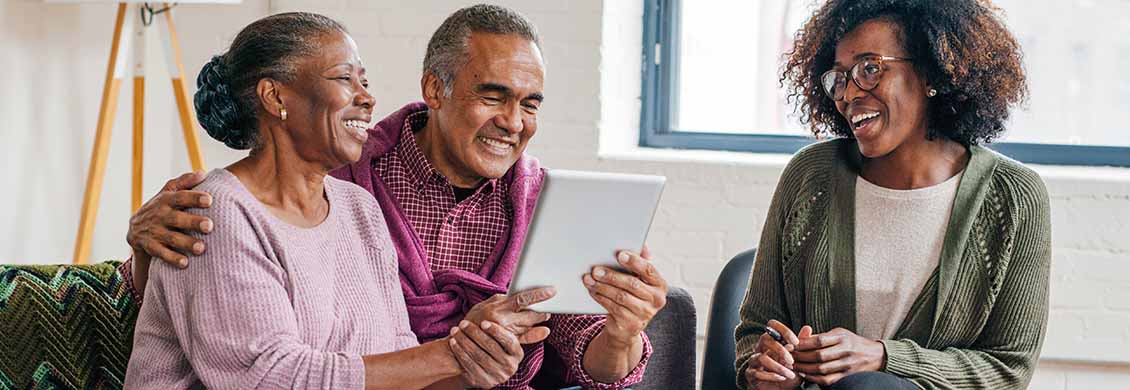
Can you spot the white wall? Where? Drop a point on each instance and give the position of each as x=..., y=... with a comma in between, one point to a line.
x=713, y=207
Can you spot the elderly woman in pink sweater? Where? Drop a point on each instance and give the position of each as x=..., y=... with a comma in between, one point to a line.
x=299, y=288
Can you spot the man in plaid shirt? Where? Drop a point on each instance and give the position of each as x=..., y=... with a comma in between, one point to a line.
x=458, y=192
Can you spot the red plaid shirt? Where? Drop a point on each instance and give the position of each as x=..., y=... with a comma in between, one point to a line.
x=456, y=235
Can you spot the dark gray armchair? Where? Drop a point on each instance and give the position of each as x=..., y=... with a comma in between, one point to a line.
x=718, y=361
x=672, y=335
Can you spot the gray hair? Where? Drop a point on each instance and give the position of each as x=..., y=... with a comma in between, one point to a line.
x=447, y=49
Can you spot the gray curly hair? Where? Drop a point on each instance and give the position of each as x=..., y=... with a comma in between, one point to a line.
x=447, y=49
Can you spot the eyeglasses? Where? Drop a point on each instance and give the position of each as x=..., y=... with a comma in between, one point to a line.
x=865, y=74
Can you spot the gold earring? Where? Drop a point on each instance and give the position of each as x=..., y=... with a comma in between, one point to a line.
x=282, y=112
x=932, y=92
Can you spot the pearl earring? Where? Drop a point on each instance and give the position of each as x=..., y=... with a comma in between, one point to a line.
x=932, y=92
x=282, y=112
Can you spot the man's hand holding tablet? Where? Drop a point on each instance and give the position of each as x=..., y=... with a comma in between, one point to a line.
x=632, y=298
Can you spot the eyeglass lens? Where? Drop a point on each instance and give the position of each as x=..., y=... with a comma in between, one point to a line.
x=866, y=75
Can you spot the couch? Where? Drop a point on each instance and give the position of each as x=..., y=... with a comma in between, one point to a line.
x=71, y=327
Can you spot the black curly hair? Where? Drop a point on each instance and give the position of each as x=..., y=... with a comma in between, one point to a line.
x=961, y=47
x=226, y=102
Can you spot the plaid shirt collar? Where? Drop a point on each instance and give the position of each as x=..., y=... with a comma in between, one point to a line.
x=416, y=163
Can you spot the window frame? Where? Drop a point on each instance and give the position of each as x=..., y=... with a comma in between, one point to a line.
x=659, y=102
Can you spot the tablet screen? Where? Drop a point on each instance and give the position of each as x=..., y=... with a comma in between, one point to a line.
x=581, y=220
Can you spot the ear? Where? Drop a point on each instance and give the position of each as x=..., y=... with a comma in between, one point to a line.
x=431, y=87
x=270, y=96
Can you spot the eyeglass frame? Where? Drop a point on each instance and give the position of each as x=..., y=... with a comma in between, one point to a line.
x=850, y=74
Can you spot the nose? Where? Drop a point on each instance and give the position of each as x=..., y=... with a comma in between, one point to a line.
x=510, y=119
x=365, y=99
x=852, y=91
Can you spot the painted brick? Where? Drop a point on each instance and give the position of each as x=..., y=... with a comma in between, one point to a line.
x=583, y=29
x=395, y=24
x=1107, y=223
x=1108, y=378
x=1108, y=326
x=1105, y=266
x=1076, y=294
x=1048, y=378
x=682, y=245
x=1117, y=299
x=701, y=273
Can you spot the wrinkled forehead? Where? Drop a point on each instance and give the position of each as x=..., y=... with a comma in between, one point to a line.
x=333, y=49
x=504, y=59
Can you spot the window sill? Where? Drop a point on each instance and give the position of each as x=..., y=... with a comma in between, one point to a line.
x=1115, y=175
x=695, y=156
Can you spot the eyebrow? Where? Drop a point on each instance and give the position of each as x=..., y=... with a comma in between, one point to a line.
x=499, y=88
x=349, y=65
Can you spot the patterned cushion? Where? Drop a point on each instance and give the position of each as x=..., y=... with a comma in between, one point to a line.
x=64, y=326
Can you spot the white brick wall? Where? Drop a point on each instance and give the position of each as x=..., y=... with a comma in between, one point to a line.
x=715, y=202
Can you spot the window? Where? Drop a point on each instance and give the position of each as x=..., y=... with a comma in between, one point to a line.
x=711, y=71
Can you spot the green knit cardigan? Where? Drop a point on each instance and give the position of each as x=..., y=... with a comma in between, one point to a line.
x=979, y=321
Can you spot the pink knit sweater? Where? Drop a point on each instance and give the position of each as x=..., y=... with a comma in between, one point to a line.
x=271, y=305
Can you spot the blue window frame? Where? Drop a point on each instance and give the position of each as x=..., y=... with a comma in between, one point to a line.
x=660, y=103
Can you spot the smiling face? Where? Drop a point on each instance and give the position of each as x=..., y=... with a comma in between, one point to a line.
x=482, y=129
x=328, y=105
x=895, y=111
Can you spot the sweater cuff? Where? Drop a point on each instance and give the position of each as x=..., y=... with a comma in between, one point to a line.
x=354, y=375
x=902, y=358
x=126, y=270
x=587, y=382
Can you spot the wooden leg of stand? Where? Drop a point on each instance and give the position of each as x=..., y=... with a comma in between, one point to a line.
x=138, y=140
x=139, y=41
x=184, y=109
x=110, y=89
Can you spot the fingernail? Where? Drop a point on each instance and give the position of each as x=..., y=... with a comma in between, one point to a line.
x=452, y=342
x=206, y=200
x=791, y=375
x=588, y=280
x=623, y=257
x=453, y=331
x=464, y=324
x=183, y=262
x=485, y=325
x=206, y=226
x=198, y=248
x=599, y=272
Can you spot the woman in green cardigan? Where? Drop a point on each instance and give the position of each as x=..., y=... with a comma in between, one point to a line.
x=901, y=254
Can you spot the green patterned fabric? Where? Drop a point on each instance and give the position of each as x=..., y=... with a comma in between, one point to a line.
x=64, y=326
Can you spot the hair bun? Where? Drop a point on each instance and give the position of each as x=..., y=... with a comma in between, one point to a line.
x=217, y=108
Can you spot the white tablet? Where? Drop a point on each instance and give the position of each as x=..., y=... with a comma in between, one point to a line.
x=582, y=219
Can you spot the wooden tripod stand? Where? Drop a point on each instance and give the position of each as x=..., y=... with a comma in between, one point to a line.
x=115, y=72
